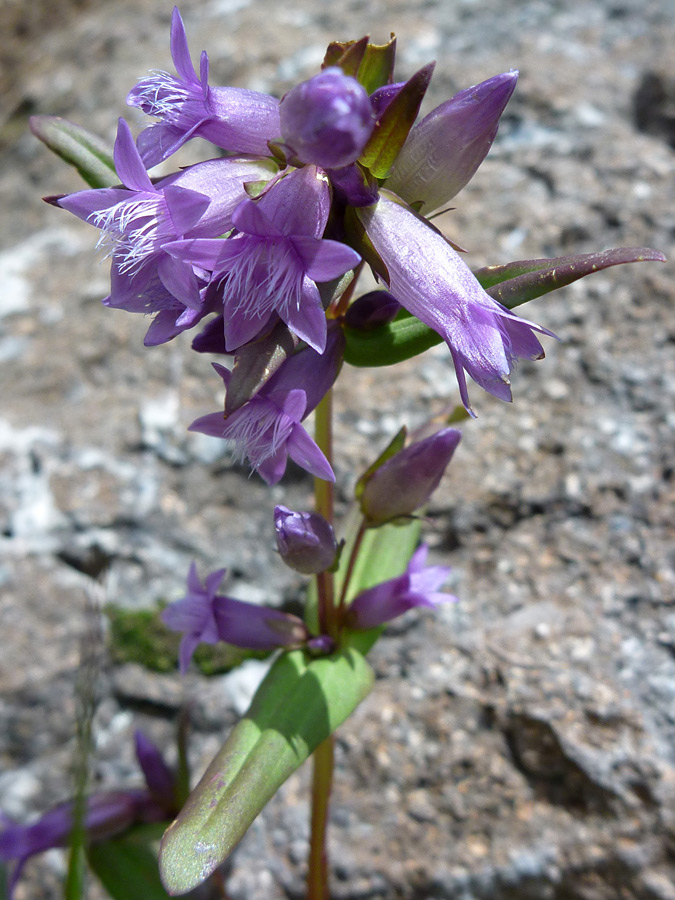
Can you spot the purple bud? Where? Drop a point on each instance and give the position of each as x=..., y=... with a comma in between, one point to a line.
x=327, y=120
x=444, y=150
x=407, y=480
x=372, y=310
x=305, y=540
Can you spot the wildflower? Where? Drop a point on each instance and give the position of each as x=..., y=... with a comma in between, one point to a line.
x=327, y=120
x=372, y=310
x=273, y=263
x=106, y=815
x=203, y=616
x=429, y=278
x=443, y=151
x=417, y=586
x=137, y=220
x=407, y=479
x=234, y=119
x=267, y=428
x=305, y=540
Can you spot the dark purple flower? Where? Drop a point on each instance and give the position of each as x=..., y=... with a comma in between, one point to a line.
x=273, y=263
x=327, y=120
x=306, y=541
x=235, y=119
x=432, y=282
x=206, y=617
x=407, y=480
x=418, y=586
x=137, y=220
x=444, y=150
x=106, y=814
x=372, y=310
x=267, y=428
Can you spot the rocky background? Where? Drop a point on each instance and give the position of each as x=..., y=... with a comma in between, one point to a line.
x=520, y=744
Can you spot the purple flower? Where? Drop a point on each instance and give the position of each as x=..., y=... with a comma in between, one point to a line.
x=194, y=615
x=432, y=282
x=273, y=263
x=418, y=586
x=306, y=541
x=372, y=310
x=235, y=119
x=408, y=479
x=327, y=120
x=206, y=617
x=444, y=150
x=267, y=428
x=106, y=814
x=137, y=220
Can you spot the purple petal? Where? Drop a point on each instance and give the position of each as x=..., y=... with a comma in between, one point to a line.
x=250, y=218
x=307, y=454
x=186, y=207
x=272, y=469
x=299, y=203
x=324, y=260
x=180, y=52
x=83, y=203
x=307, y=319
x=128, y=162
x=158, y=776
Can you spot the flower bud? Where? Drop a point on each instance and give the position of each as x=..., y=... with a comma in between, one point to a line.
x=372, y=310
x=327, y=120
x=305, y=540
x=444, y=150
x=407, y=480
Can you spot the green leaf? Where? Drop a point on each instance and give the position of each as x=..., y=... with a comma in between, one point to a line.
x=348, y=55
x=377, y=65
x=78, y=147
x=298, y=705
x=510, y=284
x=393, y=126
x=127, y=869
x=527, y=279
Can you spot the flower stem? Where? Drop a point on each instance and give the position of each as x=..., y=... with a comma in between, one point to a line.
x=324, y=501
x=322, y=777
x=322, y=782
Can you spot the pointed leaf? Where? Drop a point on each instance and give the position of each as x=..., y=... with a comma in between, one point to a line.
x=518, y=282
x=510, y=284
x=255, y=363
x=127, y=869
x=392, y=128
x=377, y=65
x=298, y=705
x=78, y=147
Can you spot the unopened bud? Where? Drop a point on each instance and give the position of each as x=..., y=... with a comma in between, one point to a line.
x=327, y=120
x=305, y=540
x=408, y=479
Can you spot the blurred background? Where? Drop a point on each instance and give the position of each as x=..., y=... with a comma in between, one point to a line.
x=520, y=744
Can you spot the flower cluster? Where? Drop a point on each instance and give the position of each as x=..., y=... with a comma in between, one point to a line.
x=266, y=239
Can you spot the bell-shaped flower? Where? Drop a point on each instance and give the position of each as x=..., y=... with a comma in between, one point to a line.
x=443, y=151
x=418, y=586
x=407, y=479
x=138, y=219
x=235, y=119
x=267, y=429
x=106, y=814
x=273, y=263
x=327, y=120
x=430, y=279
x=203, y=616
x=305, y=540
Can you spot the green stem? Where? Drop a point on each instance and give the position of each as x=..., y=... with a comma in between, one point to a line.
x=322, y=782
